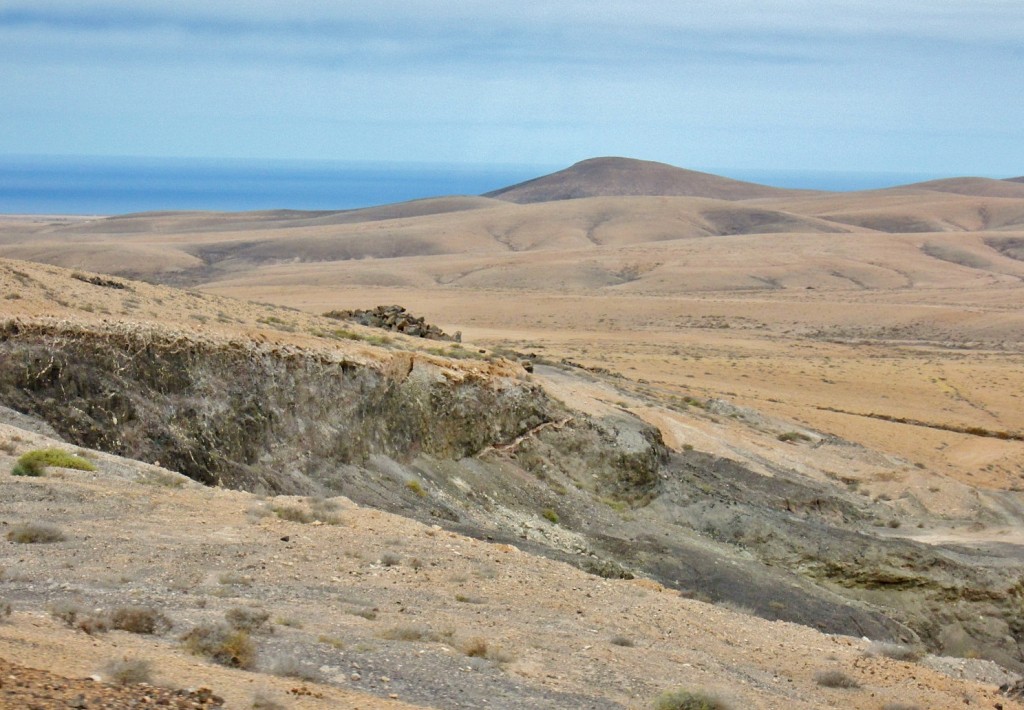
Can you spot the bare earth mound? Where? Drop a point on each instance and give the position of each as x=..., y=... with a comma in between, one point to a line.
x=604, y=177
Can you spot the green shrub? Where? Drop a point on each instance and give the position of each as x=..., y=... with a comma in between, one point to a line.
x=550, y=515
x=688, y=700
x=34, y=463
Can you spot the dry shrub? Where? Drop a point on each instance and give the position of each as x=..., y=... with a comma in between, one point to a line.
x=35, y=533
x=78, y=618
x=293, y=514
x=248, y=619
x=477, y=647
x=264, y=700
x=389, y=559
x=292, y=667
x=682, y=699
x=222, y=644
x=128, y=671
x=835, y=679
x=896, y=651
x=416, y=633
x=140, y=620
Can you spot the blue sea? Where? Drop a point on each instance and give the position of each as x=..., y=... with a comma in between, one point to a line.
x=82, y=185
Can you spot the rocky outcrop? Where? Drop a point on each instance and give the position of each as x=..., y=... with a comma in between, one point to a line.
x=249, y=415
x=395, y=319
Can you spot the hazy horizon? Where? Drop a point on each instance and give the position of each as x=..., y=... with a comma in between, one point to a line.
x=905, y=88
x=118, y=185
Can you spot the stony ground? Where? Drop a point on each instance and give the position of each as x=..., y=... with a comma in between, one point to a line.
x=378, y=610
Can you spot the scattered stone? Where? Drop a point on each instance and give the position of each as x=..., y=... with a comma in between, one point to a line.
x=396, y=319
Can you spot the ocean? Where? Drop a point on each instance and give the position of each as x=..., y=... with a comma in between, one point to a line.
x=103, y=186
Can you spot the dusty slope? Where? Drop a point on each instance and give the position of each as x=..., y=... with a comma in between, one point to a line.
x=556, y=637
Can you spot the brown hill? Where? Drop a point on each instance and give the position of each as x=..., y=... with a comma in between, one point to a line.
x=979, y=187
x=604, y=177
x=1016, y=179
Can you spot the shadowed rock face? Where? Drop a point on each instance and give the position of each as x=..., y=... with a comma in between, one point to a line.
x=497, y=458
x=252, y=417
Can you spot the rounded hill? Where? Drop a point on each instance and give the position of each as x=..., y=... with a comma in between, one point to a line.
x=615, y=177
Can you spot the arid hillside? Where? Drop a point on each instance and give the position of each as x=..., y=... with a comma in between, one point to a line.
x=801, y=407
x=553, y=540
x=889, y=317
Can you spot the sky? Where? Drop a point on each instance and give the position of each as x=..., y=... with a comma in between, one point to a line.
x=905, y=86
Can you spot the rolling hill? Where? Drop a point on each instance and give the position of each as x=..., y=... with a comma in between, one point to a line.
x=618, y=177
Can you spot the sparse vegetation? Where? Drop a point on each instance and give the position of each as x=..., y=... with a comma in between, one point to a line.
x=415, y=633
x=234, y=579
x=478, y=647
x=33, y=533
x=222, y=644
x=248, y=619
x=263, y=700
x=619, y=640
x=5, y=610
x=76, y=617
x=793, y=436
x=835, y=679
x=128, y=671
x=896, y=651
x=682, y=699
x=164, y=479
x=550, y=515
x=35, y=463
x=416, y=487
x=293, y=514
x=292, y=667
x=140, y=620
x=390, y=559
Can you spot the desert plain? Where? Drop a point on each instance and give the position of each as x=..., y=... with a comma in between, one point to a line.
x=863, y=350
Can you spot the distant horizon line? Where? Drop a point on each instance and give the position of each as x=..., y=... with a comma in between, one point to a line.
x=57, y=184
x=477, y=164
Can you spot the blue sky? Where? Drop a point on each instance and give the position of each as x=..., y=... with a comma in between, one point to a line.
x=903, y=86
